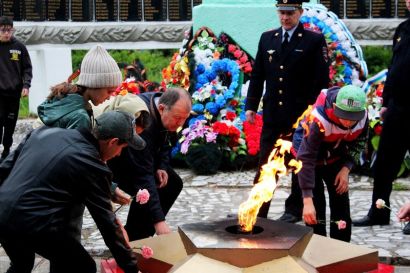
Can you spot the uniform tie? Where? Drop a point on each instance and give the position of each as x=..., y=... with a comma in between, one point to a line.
x=285, y=42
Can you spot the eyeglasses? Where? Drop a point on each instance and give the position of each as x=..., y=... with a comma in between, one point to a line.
x=7, y=30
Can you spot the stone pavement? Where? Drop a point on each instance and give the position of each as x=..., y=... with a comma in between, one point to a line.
x=214, y=197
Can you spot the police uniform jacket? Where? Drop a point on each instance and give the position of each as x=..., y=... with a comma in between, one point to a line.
x=294, y=77
x=396, y=86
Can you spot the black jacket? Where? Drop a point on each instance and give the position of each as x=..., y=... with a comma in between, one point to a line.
x=15, y=68
x=55, y=170
x=396, y=88
x=294, y=77
x=134, y=170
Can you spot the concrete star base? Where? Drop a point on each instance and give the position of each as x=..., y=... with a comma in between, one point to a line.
x=178, y=253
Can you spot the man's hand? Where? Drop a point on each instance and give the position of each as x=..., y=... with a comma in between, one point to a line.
x=162, y=176
x=309, y=211
x=162, y=228
x=124, y=232
x=120, y=197
x=250, y=116
x=342, y=180
x=404, y=213
x=24, y=92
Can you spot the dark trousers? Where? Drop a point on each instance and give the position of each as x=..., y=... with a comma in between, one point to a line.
x=269, y=136
x=9, y=110
x=139, y=222
x=294, y=202
x=394, y=143
x=338, y=203
x=65, y=253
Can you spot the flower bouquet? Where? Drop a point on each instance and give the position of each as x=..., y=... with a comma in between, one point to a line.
x=230, y=139
x=374, y=88
x=129, y=85
x=198, y=144
x=345, y=54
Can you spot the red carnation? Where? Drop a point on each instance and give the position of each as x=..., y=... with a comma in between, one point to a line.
x=220, y=128
x=247, y=68
x=237, y=54
x=379, y=90
x=252, y=134
x=230, y=115
x=378, y=129
x=234, y=103
x=231, y=48
x=244, y=59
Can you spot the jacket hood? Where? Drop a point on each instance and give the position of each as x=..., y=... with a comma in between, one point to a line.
x=325, y=105
x=51, y=111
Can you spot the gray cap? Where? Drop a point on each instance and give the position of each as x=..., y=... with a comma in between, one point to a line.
x=117, y=124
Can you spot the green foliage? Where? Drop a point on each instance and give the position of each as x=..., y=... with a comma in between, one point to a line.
x=397, y=186
x=24, y=110
x=377, y=58
x=153, y=60
x=76, y=58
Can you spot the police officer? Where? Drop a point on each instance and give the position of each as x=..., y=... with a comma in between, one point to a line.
x=395, y=137
x=294, y=63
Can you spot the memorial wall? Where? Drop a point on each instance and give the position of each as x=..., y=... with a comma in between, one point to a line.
x=356, y=9
x=98, y=10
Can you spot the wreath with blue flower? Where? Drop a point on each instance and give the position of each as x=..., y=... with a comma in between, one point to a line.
x=215, y=87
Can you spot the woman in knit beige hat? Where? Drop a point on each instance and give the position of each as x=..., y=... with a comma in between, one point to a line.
x=129, y=103
x=67, y=105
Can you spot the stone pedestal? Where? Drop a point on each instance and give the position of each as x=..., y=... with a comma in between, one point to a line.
x=276, y=247
x=50, y=67
x=243, y=20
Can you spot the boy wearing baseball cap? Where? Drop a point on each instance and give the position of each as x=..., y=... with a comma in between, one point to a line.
x=328, y=142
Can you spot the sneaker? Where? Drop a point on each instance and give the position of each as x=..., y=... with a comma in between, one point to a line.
x=289, y=218
x=367, y=221
x=406, y=229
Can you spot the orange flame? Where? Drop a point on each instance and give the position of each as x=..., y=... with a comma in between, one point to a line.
x=305, y=114
x=306, y=119
x=263, y=190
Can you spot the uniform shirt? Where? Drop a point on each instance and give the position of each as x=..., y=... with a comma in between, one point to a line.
x=294, y=77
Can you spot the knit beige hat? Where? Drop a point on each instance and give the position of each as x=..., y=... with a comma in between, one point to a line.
x=99, y=69
x=129, y=103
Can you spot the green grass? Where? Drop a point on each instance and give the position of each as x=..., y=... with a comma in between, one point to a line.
x=397, y=186
x=24, y=110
